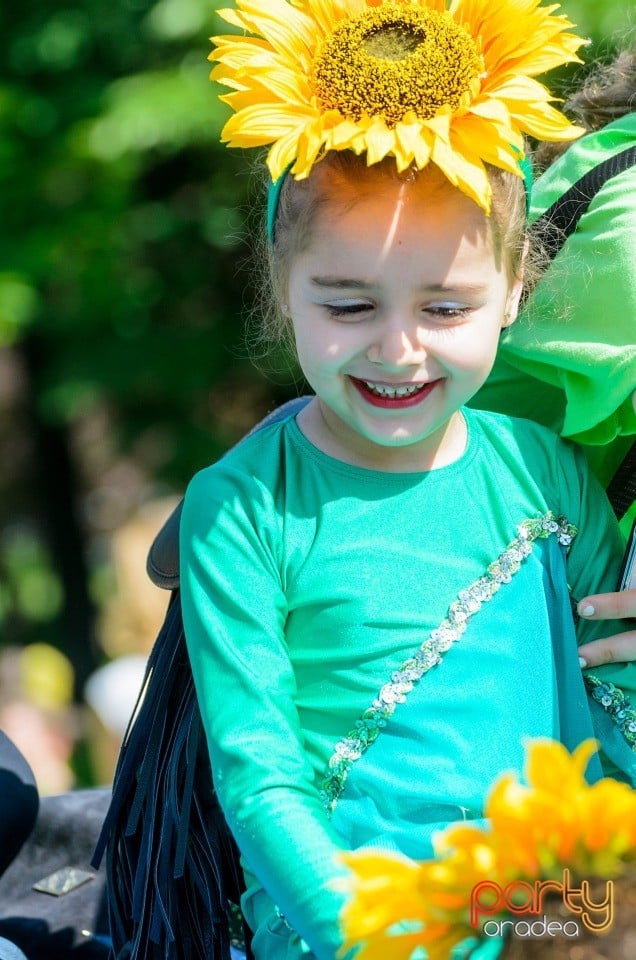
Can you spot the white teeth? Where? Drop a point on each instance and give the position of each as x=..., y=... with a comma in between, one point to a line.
x=383, y=390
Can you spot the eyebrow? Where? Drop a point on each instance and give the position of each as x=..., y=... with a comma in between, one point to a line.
x=340, y=283
x=347, y=283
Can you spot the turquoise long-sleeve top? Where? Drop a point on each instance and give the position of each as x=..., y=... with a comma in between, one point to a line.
x=307, y=583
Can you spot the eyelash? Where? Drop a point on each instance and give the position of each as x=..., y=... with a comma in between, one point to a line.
x=448, y=313
x=337, y=311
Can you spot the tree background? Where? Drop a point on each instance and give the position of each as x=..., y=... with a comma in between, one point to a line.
x=125, y=235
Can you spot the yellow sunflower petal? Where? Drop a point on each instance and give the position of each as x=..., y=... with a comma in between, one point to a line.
x=518, y=41
x=383, y=891
x=288, y=72
x=535, y=43
x=473, y=134
x=469, y=175
x=345, y=135
x=287, y=29
x=438, y=5
x=236, y=53
x=412, y=143
x=527, y=103
x=252, y=95
x=424, y=147
x=366, y=865
x=545, y=123
x=550, y=767
x=283, y=152
x=310, y=145
x=490, y=108
x=259, y=124
x=552, y=54
x=285, y=85
x=522, y=89
x=380, y=140
x=328, y=12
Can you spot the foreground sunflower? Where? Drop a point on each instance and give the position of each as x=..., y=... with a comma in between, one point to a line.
x=405, y=78
x=554, y=820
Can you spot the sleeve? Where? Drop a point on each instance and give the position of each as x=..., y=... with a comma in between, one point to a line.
x=234, y=611
x=593, y=567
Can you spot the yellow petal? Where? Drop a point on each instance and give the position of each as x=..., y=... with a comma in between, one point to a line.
x=285, y=85
x=469, y=174
x=236, y=52
x=488, y=141
x=552, y=769
x=310, y=146
x=490, y=108
x=259, y=124
x=410, y=145
x=270, y=78
x=545, y=123
x=380, y=140
x=549, y=56
x=282, y=154
x=287, y=29
x=522, y=89
x=328, y=12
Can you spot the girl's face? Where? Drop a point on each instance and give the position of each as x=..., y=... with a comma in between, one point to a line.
x=397, y=304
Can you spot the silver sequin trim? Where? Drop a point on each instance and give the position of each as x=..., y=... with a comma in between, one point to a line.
x=468, y=602
x=616, y=703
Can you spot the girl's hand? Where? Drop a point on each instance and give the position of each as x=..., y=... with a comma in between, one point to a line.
x=609, y=606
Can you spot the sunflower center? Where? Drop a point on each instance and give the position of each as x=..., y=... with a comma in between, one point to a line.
x=393, y=59
x=392, y=43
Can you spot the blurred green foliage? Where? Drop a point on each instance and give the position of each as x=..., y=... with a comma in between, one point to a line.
x=123, y=219
x=124, y=232
x=123, y=224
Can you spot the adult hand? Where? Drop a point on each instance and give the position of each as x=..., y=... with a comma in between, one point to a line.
x=620, y=646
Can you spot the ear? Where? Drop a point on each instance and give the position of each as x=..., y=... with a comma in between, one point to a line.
x=514, y=295
x=512, y=304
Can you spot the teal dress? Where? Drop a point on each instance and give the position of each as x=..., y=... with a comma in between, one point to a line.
x=371, y=650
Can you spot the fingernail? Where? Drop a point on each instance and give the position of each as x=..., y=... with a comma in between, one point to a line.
x=587, y=610
x=582, y=663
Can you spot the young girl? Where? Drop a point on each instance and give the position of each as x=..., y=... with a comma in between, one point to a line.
x=377, y=592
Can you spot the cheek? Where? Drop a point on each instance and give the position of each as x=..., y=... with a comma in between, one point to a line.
x=467, y=351
x=321, y=346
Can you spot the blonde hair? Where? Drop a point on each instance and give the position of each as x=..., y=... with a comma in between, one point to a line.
x=607, y=94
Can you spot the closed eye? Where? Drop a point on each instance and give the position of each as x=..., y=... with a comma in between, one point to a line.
x=344, y=309
x=448, y=311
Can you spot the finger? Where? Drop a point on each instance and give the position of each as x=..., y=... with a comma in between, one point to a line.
x=619, y=648
x=604, y=606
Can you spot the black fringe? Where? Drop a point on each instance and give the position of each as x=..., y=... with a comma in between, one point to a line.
x=172, y=868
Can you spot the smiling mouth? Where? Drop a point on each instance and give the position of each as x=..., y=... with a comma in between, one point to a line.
x=393, y=395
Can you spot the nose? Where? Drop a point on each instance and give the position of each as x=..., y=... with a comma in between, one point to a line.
x=397, y=344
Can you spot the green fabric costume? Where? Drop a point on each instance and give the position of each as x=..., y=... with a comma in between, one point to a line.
x=306, y=585
x=570, y=359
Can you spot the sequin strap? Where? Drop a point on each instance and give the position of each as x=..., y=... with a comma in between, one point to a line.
x=468, y=602
x=616, y=704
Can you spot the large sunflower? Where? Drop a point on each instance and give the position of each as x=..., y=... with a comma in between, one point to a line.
x=404, y=78
x=534, y=831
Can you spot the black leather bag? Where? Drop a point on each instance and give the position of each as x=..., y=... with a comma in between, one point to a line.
x=70, y=922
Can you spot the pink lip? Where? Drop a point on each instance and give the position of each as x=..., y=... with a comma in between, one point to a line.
x=393, y=403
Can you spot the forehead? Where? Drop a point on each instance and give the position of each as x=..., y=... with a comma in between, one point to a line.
x=397, y=221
